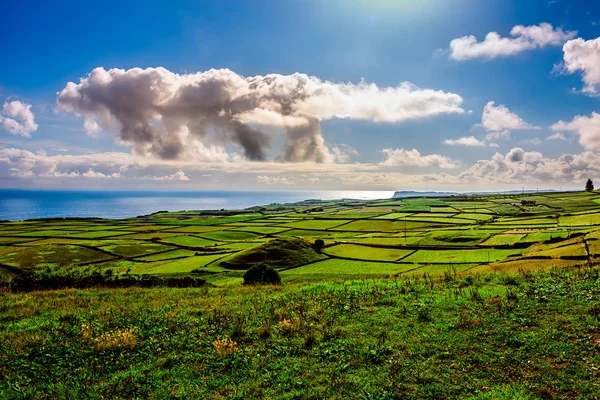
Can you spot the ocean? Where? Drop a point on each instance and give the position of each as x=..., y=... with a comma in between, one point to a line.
x=21, y=204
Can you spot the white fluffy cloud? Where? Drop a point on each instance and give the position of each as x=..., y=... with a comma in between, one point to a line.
x=343, y=153
x=17, y=118
x=500, y=118
x=498, y=135
x=584, y=56
x=403, y=157
x=588, y=129
x=177, y=176
x=274, y=180
x=130, y=168
x=123, y=170
x=516, y=167
x=470, y=141
x=519, y=166
x=90, y=173
x=95, y=166
x=196, y=116
x=523, y=38
x=24, y=163
x=556, y=136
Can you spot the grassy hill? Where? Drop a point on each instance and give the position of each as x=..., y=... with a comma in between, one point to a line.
x=286, y=252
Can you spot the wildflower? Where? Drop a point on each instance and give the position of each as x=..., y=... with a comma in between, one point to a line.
x=109, y=340
x=286, y=326
x=225, y=347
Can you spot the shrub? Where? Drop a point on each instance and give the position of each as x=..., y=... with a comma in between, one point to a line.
x=261, y=273
x=264, y=331
x=319, y=244
x=424, y=313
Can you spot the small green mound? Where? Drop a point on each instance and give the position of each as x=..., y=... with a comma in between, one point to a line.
x=280, y=253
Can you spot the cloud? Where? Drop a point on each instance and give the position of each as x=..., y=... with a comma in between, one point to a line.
x=90, y=173
x=274, y=180
x=533, y=142
x=343, y=153
x=123, y=170
x=588, y=129
x=498, y=135
x=523, y=38
x=26, y=163
x=584, y=56
x=403, y=157
x=196, y=116
x=500, y=118
x=17, y=118
x=556, y=136
x=177, y=176
x=519, y=166
x=471, y=141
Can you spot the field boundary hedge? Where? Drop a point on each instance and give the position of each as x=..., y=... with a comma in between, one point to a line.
x=28, y=282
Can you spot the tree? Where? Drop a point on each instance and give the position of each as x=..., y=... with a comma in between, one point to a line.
x=589, y=185
x=261, y=273
x=319, y=244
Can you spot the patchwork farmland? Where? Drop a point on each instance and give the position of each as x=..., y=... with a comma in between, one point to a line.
x=475, y=234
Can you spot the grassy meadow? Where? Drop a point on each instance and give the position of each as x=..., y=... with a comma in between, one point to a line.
x=461, y=297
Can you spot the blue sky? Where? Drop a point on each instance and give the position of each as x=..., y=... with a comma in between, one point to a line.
x=544, y=81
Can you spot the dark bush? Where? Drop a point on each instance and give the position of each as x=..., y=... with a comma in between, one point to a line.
x=319, y=244
x=27, y=282
x=261, y=273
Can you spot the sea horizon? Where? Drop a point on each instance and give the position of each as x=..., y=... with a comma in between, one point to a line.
x=27, y=203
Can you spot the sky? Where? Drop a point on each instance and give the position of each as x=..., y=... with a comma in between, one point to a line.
x=447, y=95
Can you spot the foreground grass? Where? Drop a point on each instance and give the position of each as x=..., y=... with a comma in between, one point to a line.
x=482, y=337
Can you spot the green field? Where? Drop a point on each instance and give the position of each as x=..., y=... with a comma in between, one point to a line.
x=543, y=236
x=507, y=239
x=348, y=269
x=420, y=231
x=231, y=236
x=461, y=297
x=167, y=255
x=133, y=249
x=316, y=224
x=582, y=219
x=192, y=241
x=184, y=265
x=567, y=248
x=476, y=337
x=366, y=252
x=461, y=256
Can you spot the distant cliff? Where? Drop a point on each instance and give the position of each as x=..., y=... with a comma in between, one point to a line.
x=412, y=193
